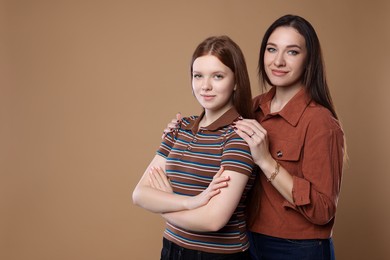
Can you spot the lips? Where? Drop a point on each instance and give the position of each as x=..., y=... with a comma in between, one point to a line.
x=279, y=72
x=208, y=97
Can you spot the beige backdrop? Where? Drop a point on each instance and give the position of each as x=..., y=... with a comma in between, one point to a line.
x=86, y=88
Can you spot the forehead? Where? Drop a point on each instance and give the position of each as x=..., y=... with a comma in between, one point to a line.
x=286, y=36
x=209, y=62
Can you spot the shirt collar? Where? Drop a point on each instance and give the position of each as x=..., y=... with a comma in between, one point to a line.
x=226, y=119
x=291, y=112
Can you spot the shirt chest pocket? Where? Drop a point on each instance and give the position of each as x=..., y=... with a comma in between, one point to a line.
x=285, y=150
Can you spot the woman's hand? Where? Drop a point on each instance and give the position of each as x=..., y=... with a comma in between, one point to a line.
x=257, y=138
x=174, y=124
x=158, y=180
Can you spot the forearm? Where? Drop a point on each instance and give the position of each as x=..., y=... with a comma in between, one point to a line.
x=153, y=199
x=316, y=206
x=202, y=219
x=158, y=201
x=279, y=177
x=215, y=214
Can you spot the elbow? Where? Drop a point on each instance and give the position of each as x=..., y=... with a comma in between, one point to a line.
x=329, y=214
x=321, y=221
x=327, y=217
x=324, y=217
x=215, y=227
x=215, y=223
x=136, y=197
x=211, y=227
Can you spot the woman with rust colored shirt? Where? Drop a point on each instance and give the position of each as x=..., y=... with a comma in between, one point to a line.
x=298, y=143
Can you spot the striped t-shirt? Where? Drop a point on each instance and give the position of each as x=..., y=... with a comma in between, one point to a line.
x=194, y=155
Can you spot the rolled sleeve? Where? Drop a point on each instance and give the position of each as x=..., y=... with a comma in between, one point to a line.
x=301, y=191
x=315, y=191
x=315, y=194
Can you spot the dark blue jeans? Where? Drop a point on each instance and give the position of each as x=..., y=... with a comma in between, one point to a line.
x=264, y=247
x=171, y=251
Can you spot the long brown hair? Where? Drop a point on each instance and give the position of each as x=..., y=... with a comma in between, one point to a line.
x=230, y=54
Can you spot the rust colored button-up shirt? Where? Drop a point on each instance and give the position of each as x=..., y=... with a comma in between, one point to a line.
x=309, y=143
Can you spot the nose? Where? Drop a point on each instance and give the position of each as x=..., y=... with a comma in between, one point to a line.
x=206, y=84
x=279, y=60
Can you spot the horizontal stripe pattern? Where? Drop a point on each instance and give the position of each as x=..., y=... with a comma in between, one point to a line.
x=193, y=158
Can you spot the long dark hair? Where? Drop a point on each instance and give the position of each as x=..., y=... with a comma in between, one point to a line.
x=314, y=78
x=230, y=54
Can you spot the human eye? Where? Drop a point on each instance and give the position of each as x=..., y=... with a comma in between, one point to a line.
x=293, y=52
x=196, y=76
x=271, y=49
x=218, y=76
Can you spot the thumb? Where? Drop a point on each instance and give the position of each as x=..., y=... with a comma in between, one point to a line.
x=178, y=116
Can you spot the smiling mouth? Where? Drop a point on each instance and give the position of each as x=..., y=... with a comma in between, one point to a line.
x=208, y=97
x=279, y=72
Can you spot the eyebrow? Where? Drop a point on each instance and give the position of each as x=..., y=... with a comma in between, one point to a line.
x=288, y=46
x=214, y=72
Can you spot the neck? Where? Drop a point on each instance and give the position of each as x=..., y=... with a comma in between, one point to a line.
x=210, y=116
x=282, y=97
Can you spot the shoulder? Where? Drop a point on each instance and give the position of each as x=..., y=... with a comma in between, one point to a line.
x=259, y=99
x=319, y=118
x=261, y=96
x=232, y=138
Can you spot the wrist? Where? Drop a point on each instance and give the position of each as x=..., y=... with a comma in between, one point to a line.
x=186, y=203
x=274, y=173
x=267, y=166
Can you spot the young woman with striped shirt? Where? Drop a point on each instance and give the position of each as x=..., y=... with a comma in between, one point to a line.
x=184, y=177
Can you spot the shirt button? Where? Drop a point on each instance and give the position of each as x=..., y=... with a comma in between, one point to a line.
x=189, y=148
x=279, y=154
x=195, y=140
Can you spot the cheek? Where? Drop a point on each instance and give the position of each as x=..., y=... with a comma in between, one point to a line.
x=195, y=85
x=228, y=87
x=228, y=91
x=267, y=59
